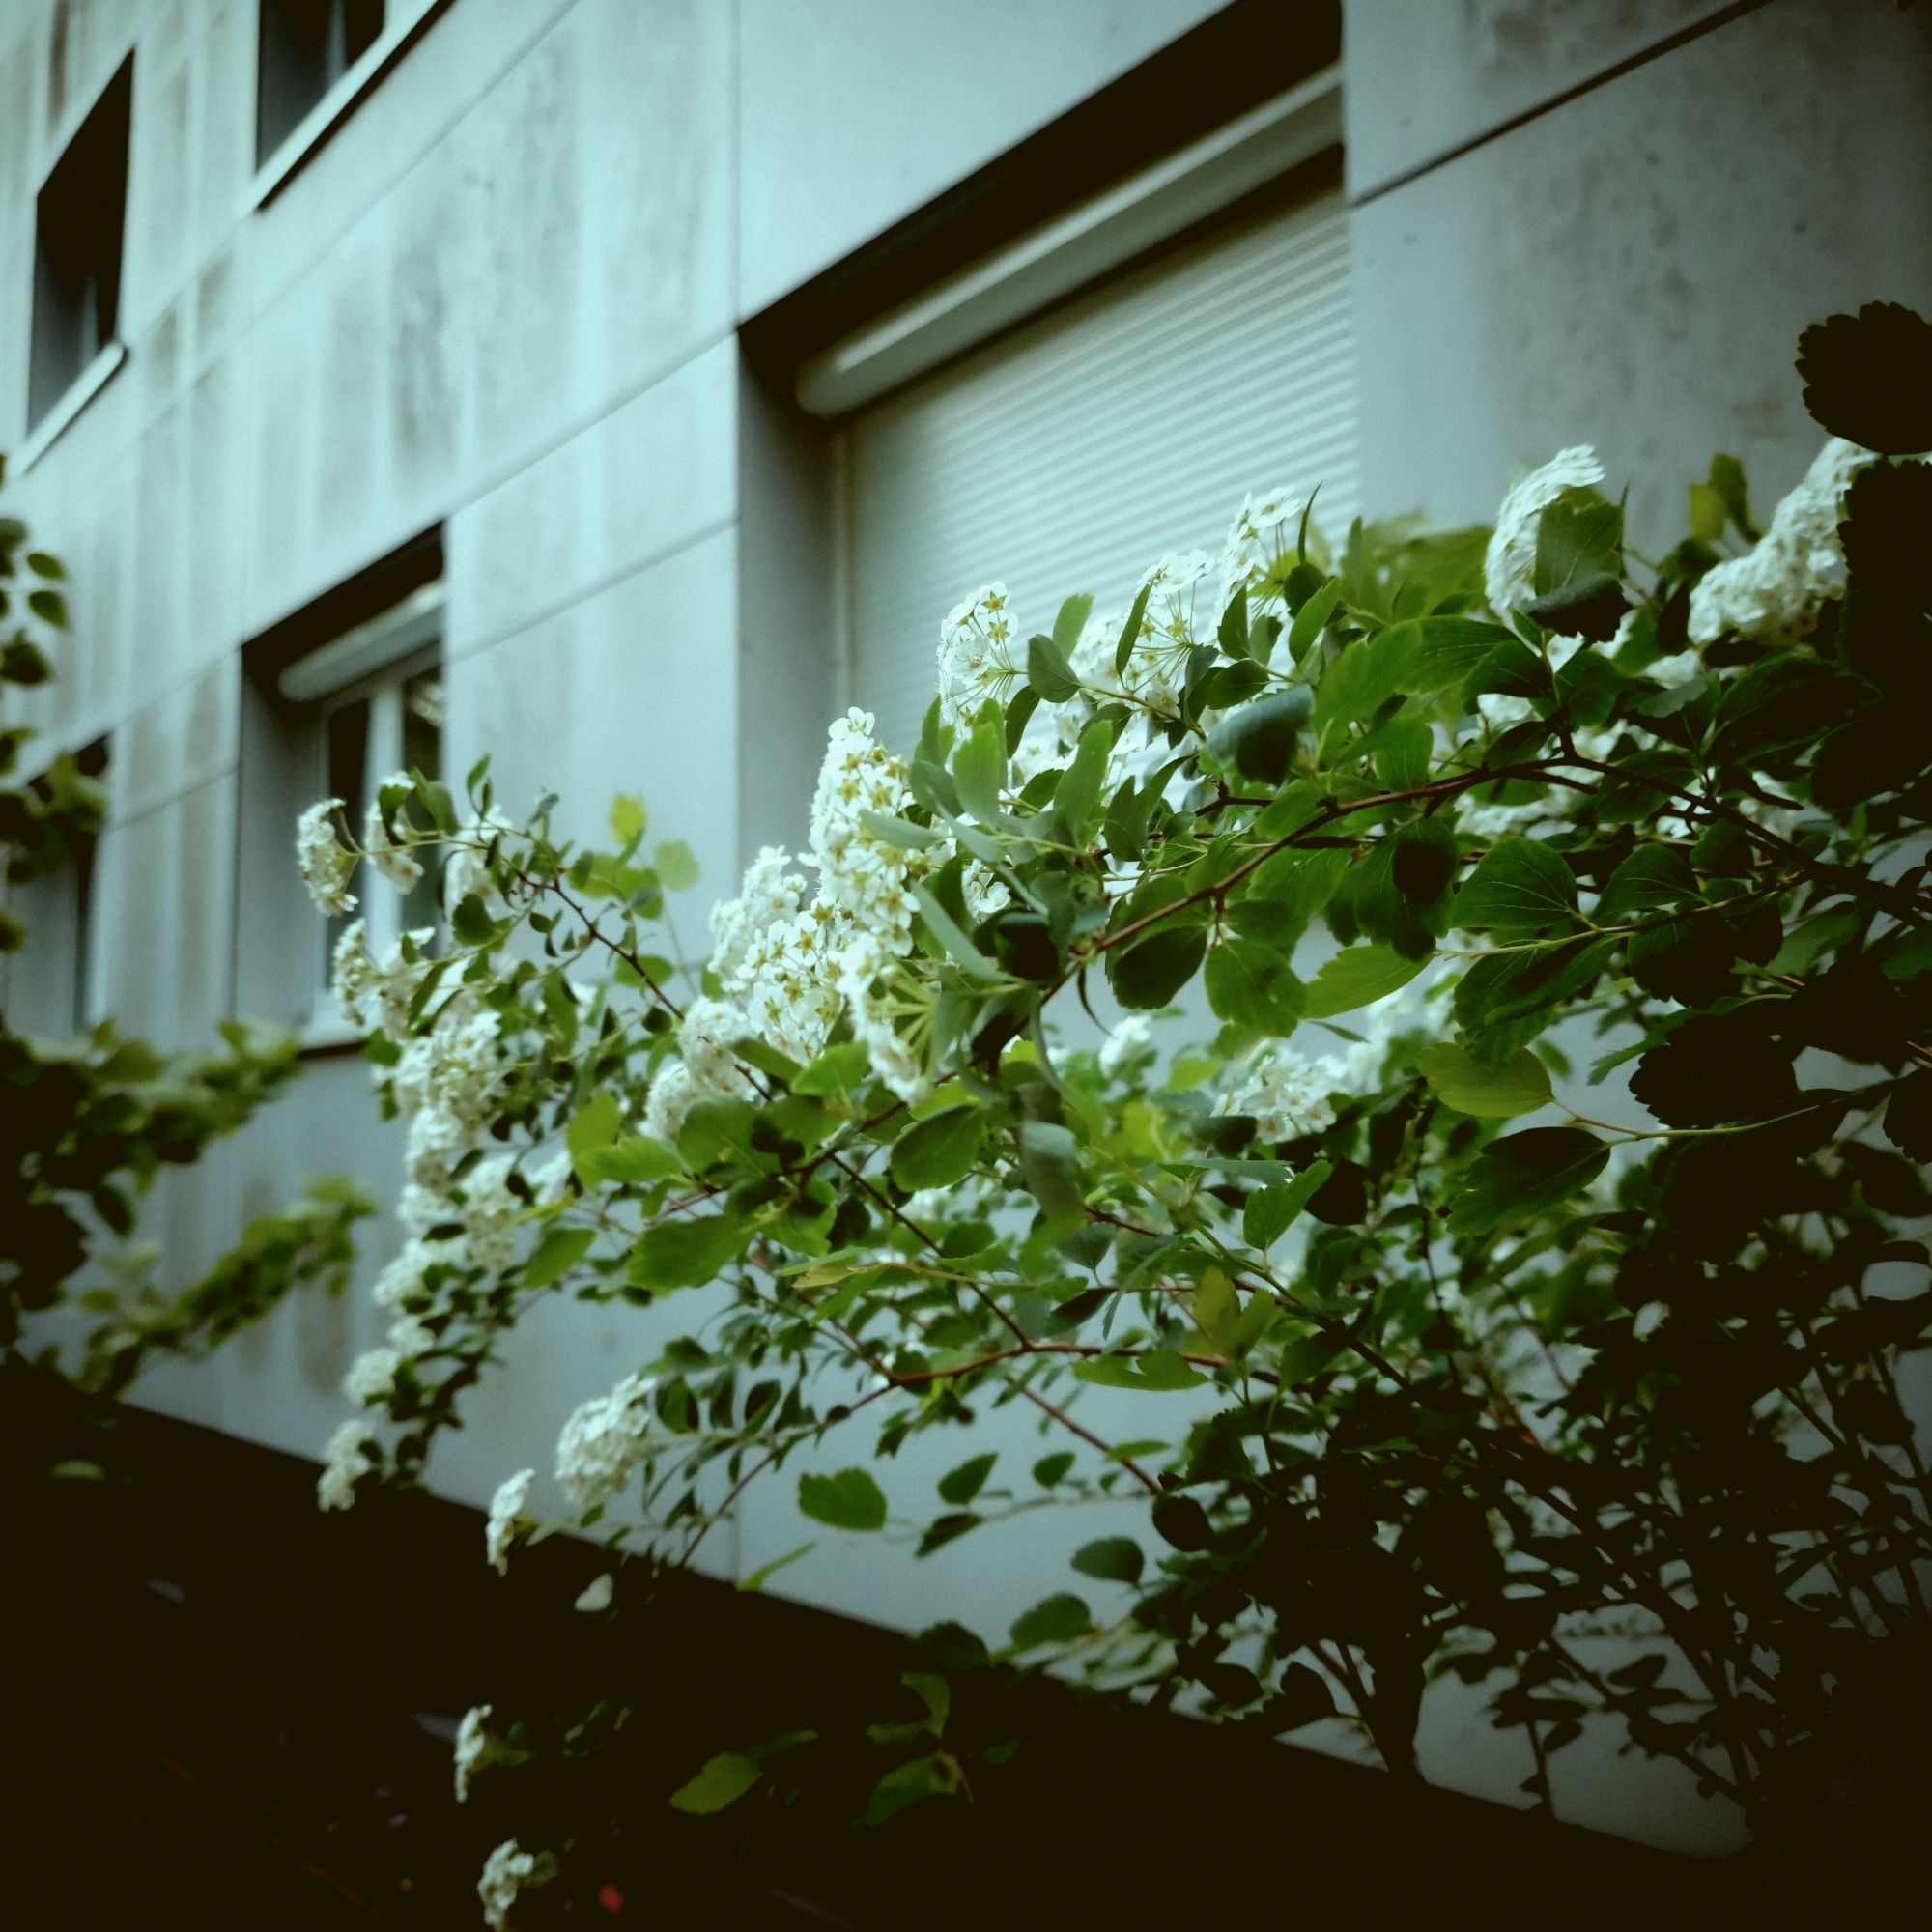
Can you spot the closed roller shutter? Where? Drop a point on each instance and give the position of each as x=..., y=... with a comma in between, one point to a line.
x=1070, y=454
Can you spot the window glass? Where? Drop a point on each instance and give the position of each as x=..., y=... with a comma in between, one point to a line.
x=305, y=47
x=78, y=218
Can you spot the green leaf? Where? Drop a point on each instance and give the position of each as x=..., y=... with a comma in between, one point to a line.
x=1252, y=984
x=718, y=1123
x=1050, y=1166
x=1259, y=738
x=1519, y=1176
x=1233, y=636
x=980, y=768
x=677, y=864
x=848, y=1500
x=1312, y=620
x=557, y=1254
x=687, y=1254
x=1068, y=625
x=1519, y=1085
x=765, y=1572
x=627, y=818
x=470, y=925
x=634, y=1157
x=1061, y=1618
x=593, y=1126
x=1156, y=1370
x=1114, y=1559
x=961, y=1485
x=1357, y=977
x=1865, y=378
x=1520, y=886
x=1579, y=543
x=1269, y=1211
x=1727, y=480
x=959, y=948
x=1048, y=671
x=1652, y=878
x=1078, y=794
x=1152, y=971
x=939, y=1150
x=1052, y=1470
x=723, y=1780
x=1130, y=631
x=43, y=565
x=49, y=606
x=839, y=1070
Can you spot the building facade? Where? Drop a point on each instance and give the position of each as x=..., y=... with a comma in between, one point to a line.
x=618, y=388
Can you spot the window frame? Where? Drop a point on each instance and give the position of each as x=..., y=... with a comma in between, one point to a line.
x=87, y=379
x=403, y=23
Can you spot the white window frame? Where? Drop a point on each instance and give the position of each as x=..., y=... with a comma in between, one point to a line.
x=402, y=22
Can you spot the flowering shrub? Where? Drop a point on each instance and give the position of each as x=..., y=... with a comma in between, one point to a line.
x=1439, y=1362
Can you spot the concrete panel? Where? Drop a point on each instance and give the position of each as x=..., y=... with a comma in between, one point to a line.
x=636, y=484
x=632, y=689
x=855, y=112
x=1425, y=78
x=566, y=245
x=178, y=742
x=1634, y=271
x=164, y=892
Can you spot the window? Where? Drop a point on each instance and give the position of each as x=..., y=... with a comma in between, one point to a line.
x=1069, y=454
x=331, y=720
x=78, y=220
x=305, y=47
x=314, y=61
x=49, y=980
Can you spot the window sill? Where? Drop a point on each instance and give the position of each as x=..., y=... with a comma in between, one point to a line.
x=315, y=128
x=329, y=1035
x=81, y=391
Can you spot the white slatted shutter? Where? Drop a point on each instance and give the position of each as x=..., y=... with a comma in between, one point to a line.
x=1071, y=453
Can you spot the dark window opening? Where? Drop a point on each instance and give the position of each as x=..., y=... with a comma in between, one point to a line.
x=305, y=47
x=77, y=227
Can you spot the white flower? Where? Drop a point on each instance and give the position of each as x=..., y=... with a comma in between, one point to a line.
x=1129, y=1039
x=352, y=973
x=551, y=1180
x=402, y=1279
x=671, y=1096
x=1265, y=529
x=371, y=1376
x=929, y=1203
x=1287, y=1093
x=506, y=1518
x=394, y=862
x=1510, y=564
x=1775, y=590
x=984, y=892
x=409, y=1336
x=1489, y=819
x=981, y=655
x=862, y=874
x=596, y=1595
x=467, y=870
x=473, y=1744
x=437, y=1140
x=602, y=1442
x=489, y=1213
x=505, y=1871
x=457, y=1066
x=880, y=992
x=419, y=1210
x=325, y=866
x=344, y=1466
x=1172, y=586
x=769, y=895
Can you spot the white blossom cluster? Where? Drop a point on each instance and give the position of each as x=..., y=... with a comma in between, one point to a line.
x=473, y=1741
x=980, y=653
x=1775, y=589
x=506, y=1517
x=372, y=1375
x=1129, y=1042
x=602, y=1442
x=344, y=1466
x=506, y=1872
x=393, y=861
x=1509, y=565
x=327, y=865
x=1266, y=528
x=862, y=874
x=1285, y=1092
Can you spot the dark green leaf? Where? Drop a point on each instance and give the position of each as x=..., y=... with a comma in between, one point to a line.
x=557, y=1254
x=1115, y=1559
x=1269, y=1211
x=939, y=1150
x=1520, y=886
x=1519, y=1176
x=964, y=1483
x=1059, y=1619
x=1252, y=984
x=848, y=1500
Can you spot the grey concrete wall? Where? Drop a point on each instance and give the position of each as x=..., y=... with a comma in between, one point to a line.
x=1632, y=269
